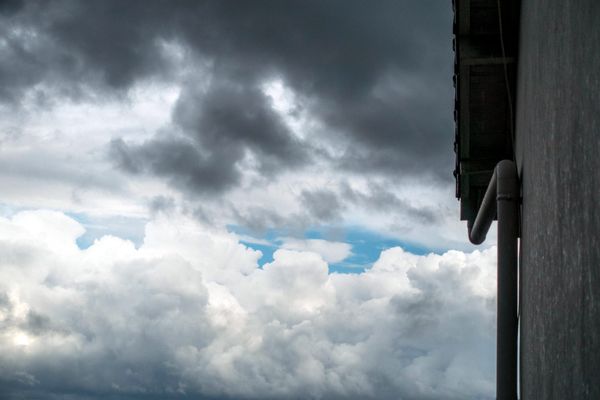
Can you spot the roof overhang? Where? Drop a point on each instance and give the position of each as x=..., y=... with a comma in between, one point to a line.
x=485, y=42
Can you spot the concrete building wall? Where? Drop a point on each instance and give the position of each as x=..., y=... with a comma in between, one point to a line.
x=558, y=155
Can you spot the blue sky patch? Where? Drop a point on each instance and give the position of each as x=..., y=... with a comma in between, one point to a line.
x=95, y=227
x=366, y=245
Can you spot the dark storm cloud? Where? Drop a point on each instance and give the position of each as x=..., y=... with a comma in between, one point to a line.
x=394, y=135
x=10, y=7
x=181, y=161
x=375, y=74
x=69, y=45
x=220, y=127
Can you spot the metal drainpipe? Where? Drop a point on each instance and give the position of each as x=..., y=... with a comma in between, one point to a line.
x=502, y=197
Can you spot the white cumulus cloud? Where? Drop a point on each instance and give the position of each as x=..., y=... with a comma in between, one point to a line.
x=190, y=313
x=332, y=252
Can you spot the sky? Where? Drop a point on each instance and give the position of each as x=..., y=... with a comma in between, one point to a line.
x=235, y=200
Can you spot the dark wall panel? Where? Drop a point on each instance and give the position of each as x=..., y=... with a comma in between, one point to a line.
x=558, y=153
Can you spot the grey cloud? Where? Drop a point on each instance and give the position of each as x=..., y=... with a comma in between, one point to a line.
x=5, y=302
x=220, y=127
x=233, y=119
x=229, y=115
x=33, y=322
x=182, y=162
x=161, y=204
x=10, y=7
x=36, y=323
x=318, y=207
x=44, y=165
x=323, y=205
x=326, y=207
x=120, y=153
x=259, y=219
x=377, y=76
x=70, y=46
x=115, y=40
x=379, y=198
x=420, y=312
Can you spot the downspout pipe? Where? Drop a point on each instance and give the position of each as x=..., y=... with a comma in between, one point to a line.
x=502, y=198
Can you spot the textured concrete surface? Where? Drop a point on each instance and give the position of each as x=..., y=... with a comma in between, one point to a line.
x=558, y=153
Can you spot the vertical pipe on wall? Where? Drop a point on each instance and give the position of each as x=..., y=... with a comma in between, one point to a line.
x=507, y=199
x=502, y=198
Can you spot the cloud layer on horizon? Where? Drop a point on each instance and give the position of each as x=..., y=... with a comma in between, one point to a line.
x=190, y=313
